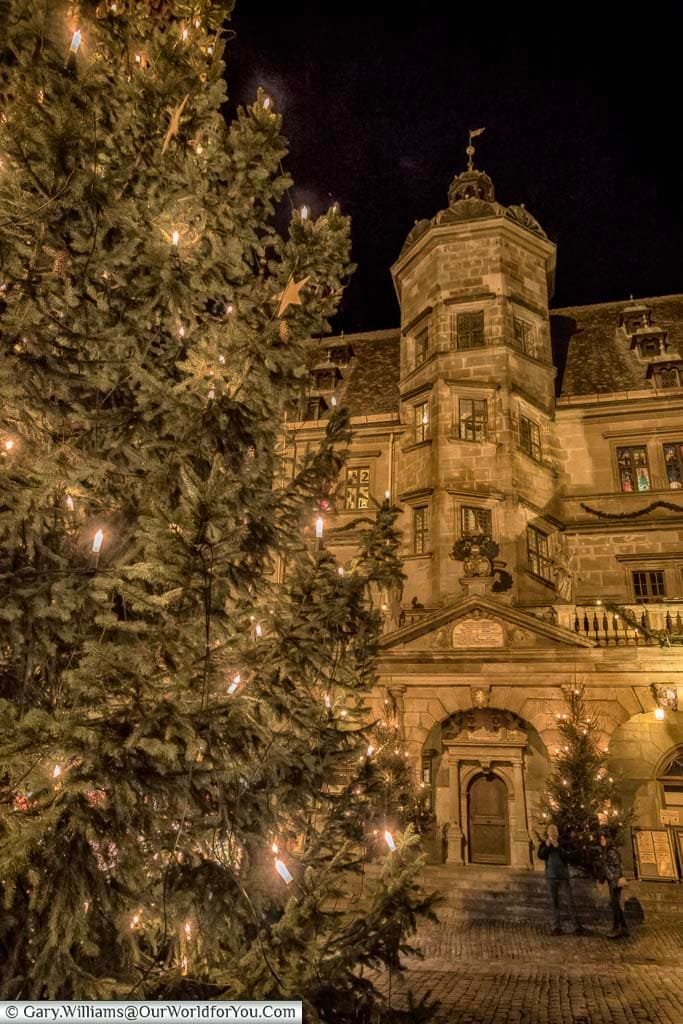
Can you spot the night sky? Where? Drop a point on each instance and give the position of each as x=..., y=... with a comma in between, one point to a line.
x=582, y=123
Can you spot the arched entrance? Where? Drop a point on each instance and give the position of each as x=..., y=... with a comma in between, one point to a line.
x=488, y=821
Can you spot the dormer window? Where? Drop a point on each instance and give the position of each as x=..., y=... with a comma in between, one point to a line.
x=326, y=378
x=634, y=318
x=668, y=377
x=340, y=354
x=315, y=408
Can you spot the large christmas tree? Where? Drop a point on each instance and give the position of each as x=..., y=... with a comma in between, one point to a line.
x=185, y=775
x=581, y=796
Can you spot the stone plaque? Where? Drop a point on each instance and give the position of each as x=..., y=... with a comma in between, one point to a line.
x=654, y=854
x=478, y=632
x=670, y=817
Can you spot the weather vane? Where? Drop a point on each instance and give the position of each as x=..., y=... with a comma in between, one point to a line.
x=470, y=149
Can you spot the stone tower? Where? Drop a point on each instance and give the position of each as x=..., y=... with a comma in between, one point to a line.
x=477, y=394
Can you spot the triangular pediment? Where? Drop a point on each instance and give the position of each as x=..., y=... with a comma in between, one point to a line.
x=480, y=623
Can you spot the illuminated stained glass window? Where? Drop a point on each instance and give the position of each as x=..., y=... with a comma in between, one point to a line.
x=634, y=472
x=673, y=457
x=357, y=487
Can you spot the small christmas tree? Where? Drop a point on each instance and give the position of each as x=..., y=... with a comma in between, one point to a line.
x=581, y=795
x=397, y=800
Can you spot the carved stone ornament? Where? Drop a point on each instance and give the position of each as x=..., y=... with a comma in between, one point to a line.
x=484, y=725
x=476, y=553
x=478, y=630
x=480, y=696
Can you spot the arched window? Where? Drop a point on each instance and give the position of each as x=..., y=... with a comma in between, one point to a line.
x=670, y=779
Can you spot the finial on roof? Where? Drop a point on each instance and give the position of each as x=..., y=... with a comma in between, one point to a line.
x=474, y=132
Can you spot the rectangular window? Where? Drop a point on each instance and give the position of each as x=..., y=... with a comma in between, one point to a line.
x=530, y=438
x=673, y=457
x=524, y=337
x=539, y=556
x=357, y=487
x=472, y=419
x=421, y=530
x=648, y=584
x=421, y=346
x=469, y=330
x=422, y=425
x=634, y=472
x=474, y=521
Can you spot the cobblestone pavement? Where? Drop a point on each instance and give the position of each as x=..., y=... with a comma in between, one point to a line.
x=508, y=972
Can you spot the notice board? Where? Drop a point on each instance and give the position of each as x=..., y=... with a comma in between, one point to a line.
x=654, y=854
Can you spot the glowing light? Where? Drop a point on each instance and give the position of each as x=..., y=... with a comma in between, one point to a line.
x=97, y=542
x=389, y=840
x=69, y=502
x=660, y=714
x=283, y=871
x=275, y=848
x=304, y=213
x=259, y=629
x=184, y=35
x=75, y=41
x=234, y=684
x=319, y=527
x=181, y=331
x=333, y=400
x=340, y=570
x=230, y=309
x=387, y=495
x=371, y=750
x=175, y=238
x=9, y=444
x=328, y=701
x=56, y=771
x=266, y=102
x=135, y=921
x=221, y=359
x=187, y=928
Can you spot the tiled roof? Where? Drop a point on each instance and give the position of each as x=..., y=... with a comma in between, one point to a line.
x=370, y=380
x=593, y=356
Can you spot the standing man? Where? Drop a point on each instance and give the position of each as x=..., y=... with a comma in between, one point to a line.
x=557, y=877
x=612, y=873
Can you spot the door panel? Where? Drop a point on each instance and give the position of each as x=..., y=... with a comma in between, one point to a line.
x=488, y=821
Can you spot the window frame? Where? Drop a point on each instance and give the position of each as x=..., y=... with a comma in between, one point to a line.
x=421, y=346
x=422, y=429
x=679, y=461
x=535, y=447
x=541, y=554
x=477, y=509
x=475, y=419
x=459, y=332
x=356, y=488
x=526, y=344
x=421, y=533
x=618, y=448
x=650, y=597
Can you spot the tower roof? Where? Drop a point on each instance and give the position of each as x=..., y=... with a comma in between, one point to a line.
x=471, y=196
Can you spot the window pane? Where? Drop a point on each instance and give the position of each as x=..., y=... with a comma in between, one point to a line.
x=357, y=491
x=648, y=584
x=524, y=336
x=422, y=422
x=634, y=472
x=420, y=530
x=421, y=346
x=473, y=419
x=673, y=457
x=539, y=556
x=475, y=521
x=470, y=330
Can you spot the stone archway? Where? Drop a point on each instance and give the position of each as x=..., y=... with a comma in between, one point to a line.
x=486, y=742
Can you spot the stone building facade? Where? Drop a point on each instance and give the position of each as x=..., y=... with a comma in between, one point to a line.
x=556, y=434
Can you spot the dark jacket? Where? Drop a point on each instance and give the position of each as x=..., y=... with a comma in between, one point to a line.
x=555, y=860
x=610, y=864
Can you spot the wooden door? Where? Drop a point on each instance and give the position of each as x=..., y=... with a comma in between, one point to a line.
x=488, y=821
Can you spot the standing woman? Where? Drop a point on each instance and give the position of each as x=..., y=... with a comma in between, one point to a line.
x=612, y=873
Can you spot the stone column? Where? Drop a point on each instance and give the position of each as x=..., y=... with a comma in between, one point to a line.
x=455, y=833
x=519, y=826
